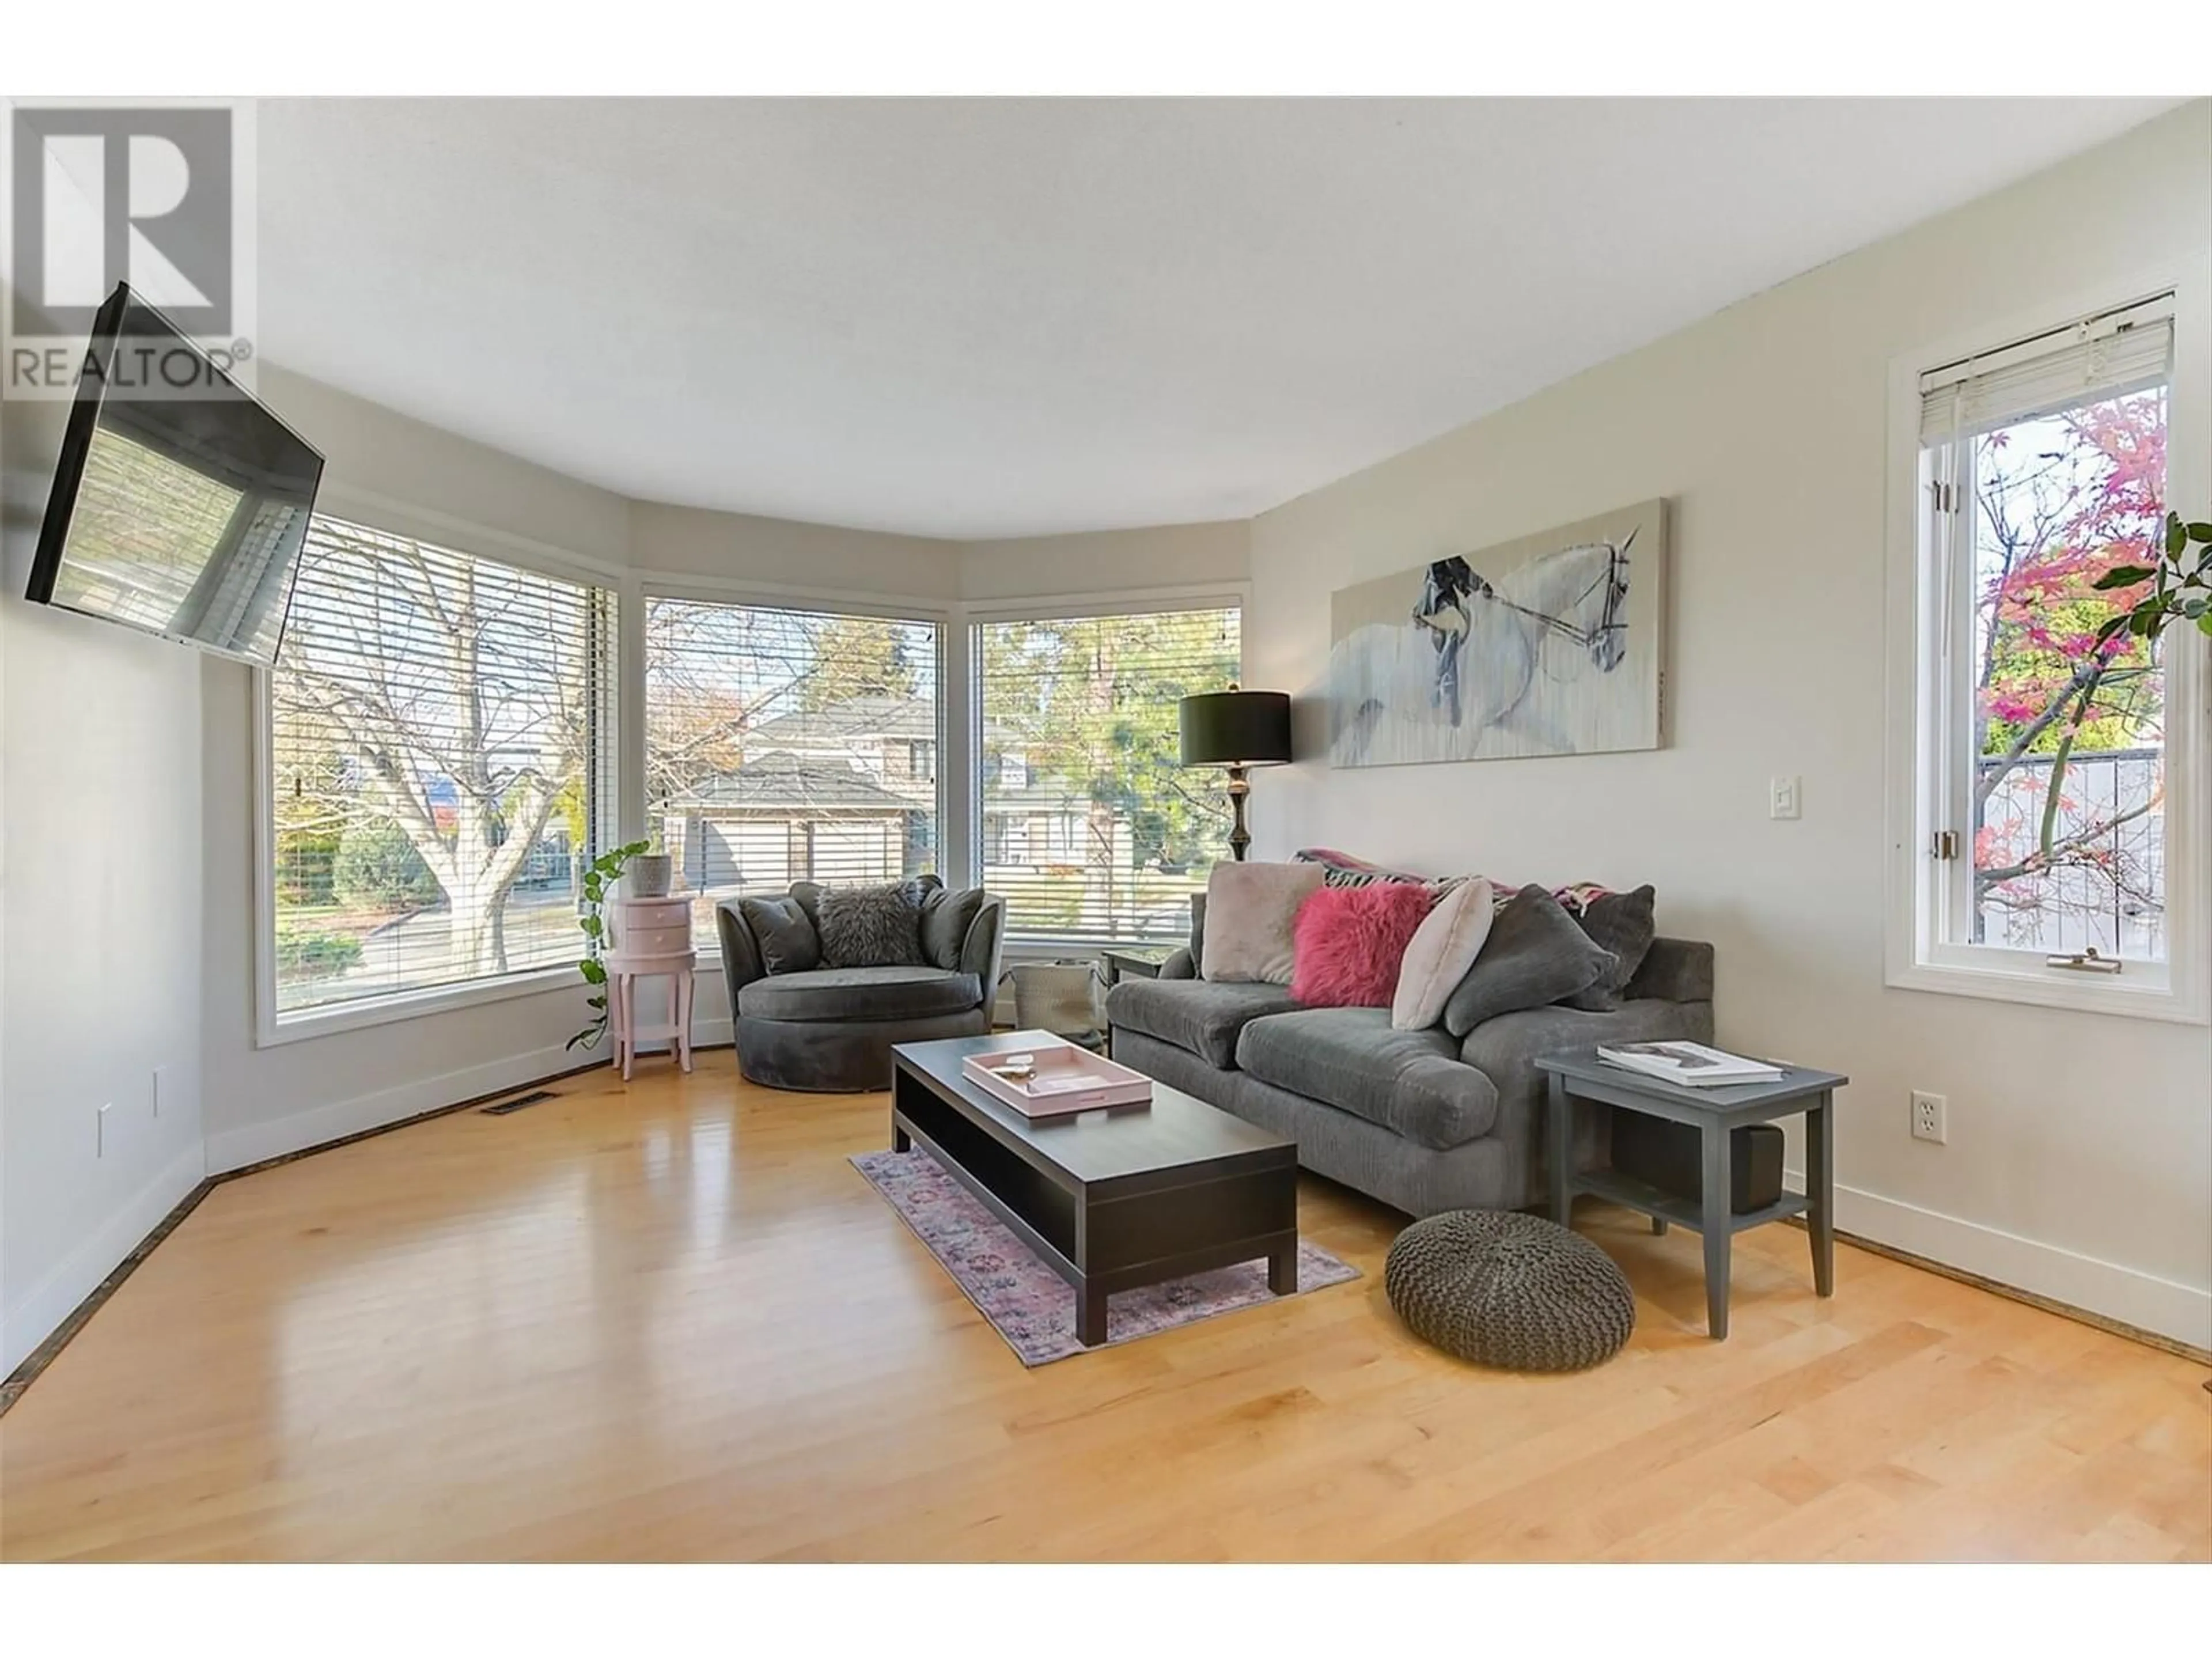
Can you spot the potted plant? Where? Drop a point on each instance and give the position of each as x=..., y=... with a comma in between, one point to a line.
x=600, y=877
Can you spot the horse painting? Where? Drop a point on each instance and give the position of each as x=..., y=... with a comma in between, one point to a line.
x=1552, y=653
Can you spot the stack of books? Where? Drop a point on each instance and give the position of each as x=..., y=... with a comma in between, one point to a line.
x=1691, y=1065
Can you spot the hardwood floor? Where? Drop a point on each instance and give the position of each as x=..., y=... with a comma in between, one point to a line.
x=671, y=1321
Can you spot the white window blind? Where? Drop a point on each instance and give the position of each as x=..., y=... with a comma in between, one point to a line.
x=1091, y=830
x=440, y=744
x=2109, y=354
x=787, y=745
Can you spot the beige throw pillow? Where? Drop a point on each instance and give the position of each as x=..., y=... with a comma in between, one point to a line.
x=1443, y=948
x=1249, y=908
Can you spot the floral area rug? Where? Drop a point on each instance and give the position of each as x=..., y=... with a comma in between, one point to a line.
x=1029, y=1304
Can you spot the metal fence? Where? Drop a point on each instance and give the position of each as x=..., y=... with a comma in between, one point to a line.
x=2109, y=891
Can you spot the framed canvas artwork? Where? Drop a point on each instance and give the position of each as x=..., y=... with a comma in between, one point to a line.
x=1549, y=645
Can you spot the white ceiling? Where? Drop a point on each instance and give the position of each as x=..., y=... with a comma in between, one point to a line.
x=976, y=319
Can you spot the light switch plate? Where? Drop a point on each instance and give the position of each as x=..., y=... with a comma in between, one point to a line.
x=1785, y=797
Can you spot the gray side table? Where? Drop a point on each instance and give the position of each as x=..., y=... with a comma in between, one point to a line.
x=1579, y=1075
x=1134, y=962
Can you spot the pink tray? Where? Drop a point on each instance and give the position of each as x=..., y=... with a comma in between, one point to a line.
x=1067, y=1079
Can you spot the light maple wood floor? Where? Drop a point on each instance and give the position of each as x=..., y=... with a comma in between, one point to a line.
x=671, y=1321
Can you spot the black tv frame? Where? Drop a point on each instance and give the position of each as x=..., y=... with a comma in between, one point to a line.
x=92, y=389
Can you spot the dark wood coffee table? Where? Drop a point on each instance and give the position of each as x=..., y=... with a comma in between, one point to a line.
x=1112, y=1199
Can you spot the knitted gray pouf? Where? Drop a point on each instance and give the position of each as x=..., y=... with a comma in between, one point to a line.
x=1509, y=1289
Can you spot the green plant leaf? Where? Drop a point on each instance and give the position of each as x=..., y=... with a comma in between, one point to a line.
x=2204, y=622
x=2177, y=535
x=593, y=970
x=2199, y=531
x=2123, y=576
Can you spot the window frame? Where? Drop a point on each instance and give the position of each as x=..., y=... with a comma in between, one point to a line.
x=1923, y=778
x=273, y=1028
x=649, y=585
x=1132, y=601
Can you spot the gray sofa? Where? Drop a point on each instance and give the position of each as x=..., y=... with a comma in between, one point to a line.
x=830, y=1029
x=1421, y=1120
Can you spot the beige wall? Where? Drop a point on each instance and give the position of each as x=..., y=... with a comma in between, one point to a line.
x=2080, y=1153
x=100, y=923
x=776, y=554
x=1167, y=555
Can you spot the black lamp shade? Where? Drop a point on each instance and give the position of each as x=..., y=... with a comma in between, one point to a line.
x=1236, y=729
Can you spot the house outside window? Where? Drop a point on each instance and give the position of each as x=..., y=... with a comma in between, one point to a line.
x=1093, y=830
x=786, y=745
x=2046, y=848
x=439, y=752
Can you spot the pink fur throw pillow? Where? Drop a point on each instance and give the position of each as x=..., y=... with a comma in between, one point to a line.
x=1350, y=942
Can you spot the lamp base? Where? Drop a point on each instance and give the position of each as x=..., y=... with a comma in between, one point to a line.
x=1240, y=789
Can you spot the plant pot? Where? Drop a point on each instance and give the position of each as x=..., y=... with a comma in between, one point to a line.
x=646, y=876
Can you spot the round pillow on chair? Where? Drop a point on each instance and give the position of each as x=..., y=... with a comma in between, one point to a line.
x=1509, y=1289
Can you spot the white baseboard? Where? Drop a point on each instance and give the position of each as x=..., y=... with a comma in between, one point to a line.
x=2133, y=1297
x=51, y=1300
x=233, y=1149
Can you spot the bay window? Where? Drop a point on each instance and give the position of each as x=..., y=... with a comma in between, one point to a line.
x=1089, y=826
x=786, y=745
x=439, y=757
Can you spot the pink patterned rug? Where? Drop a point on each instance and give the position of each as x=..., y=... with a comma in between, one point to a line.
x=1033, y=1307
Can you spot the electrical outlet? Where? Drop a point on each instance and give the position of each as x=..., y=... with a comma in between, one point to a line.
x=1784, y=797
x=1928, y=1112
x=99, y=1130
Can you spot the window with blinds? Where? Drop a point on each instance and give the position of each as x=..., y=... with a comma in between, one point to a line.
x=1091, y=827
x=441, y=745
x=2043, y=467
x=787, y=745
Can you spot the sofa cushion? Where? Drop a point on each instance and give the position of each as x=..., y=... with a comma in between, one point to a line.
x=903, y=991
x=1200, y=1015
x=1535, y=955
x=1443, y=950
x=1619, y=922
x=946, y=916
x=782, y=932
x=1249, y=910
x=1350, y=942
x=877, y=926
x=1411, y=1082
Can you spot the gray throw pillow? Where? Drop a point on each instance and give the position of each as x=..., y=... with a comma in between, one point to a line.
x=871, y=926
x=809, y=896
x=786, y=937
x=1535, y=956
x=1623, y=924
x=946, y=916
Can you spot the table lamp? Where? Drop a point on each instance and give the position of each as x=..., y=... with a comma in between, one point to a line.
x=1236, y=729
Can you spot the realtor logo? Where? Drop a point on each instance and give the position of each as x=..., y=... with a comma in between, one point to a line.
x=158, y=195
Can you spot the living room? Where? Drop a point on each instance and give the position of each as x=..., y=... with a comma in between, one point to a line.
x=953, y=516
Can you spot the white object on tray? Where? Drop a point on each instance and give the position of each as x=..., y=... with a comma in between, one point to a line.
x=1047, y=1081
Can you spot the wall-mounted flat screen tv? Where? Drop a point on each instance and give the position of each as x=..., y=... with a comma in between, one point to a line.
x=180, y=502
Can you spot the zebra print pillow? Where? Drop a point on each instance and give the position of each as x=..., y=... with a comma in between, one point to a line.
x=1342, y=870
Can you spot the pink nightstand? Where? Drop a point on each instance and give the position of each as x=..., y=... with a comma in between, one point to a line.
x=651, y=939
